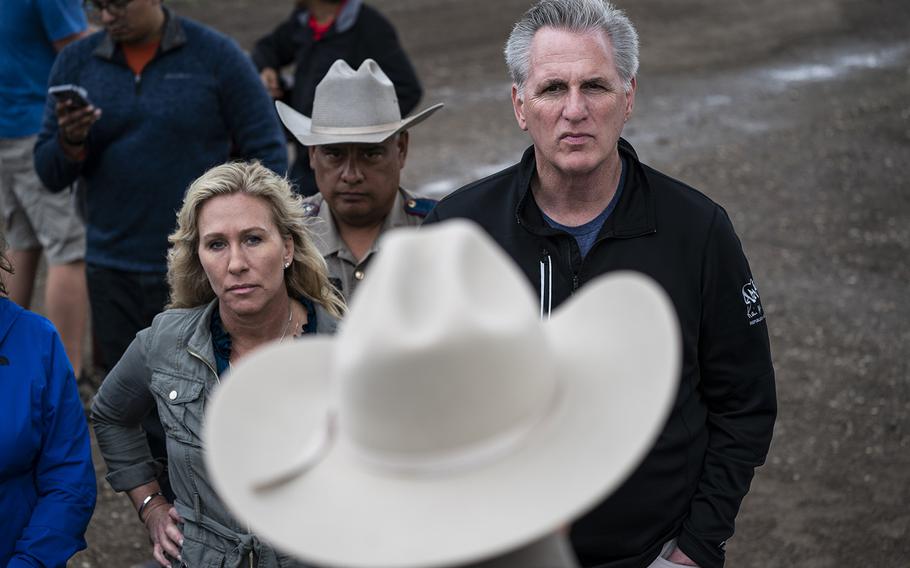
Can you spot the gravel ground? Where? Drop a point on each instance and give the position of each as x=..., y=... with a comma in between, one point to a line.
x=796, y=117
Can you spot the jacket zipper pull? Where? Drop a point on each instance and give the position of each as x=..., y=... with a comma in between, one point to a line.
x=575, y=282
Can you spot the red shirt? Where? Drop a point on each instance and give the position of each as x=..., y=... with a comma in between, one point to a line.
x=138, y=56
x=319, y=30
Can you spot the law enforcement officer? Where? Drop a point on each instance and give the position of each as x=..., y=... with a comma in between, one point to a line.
x=357, y=143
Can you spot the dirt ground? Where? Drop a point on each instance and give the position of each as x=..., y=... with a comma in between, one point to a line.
x=796, y=117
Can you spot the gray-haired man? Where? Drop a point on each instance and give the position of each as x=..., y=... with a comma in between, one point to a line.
x=358, y=144
x=579, y=204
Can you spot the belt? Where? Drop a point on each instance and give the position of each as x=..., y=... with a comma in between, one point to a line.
x=246, y=545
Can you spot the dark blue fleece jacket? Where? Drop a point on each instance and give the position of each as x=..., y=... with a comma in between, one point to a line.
x=199, y=97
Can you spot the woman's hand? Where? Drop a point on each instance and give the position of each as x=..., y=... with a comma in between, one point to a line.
x=161, y=522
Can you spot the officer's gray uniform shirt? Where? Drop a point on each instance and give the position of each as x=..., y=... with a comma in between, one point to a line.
x=344, y=271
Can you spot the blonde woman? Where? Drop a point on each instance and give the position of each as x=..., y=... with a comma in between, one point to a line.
x=242, y=272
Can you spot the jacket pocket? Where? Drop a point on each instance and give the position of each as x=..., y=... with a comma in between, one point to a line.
x=201, y=549
x=181, y=406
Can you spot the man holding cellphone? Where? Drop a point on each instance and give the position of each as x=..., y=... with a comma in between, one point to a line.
x=170, y=98
x=31, y=34
x=74, y=94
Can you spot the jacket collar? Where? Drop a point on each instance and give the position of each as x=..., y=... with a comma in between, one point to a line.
x=172, y=37
x=345, y=20
x=200, y=332
x=200, y=339
x=632, y=217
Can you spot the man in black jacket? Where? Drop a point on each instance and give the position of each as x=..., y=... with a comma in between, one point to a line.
x=317, y=33
x=580, y=204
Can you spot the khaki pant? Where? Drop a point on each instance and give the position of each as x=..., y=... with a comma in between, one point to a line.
x=35, y=218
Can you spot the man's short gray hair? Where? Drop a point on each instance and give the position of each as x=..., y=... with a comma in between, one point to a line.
x=577, y=16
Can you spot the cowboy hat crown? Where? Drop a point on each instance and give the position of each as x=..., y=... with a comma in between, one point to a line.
x=351, y=106
x=431, y=339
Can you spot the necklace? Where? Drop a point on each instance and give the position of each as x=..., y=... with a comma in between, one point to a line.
x=287, y=325
x=280, y=339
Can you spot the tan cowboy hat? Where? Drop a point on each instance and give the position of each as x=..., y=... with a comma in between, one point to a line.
x=351, y=106
x=445, y=423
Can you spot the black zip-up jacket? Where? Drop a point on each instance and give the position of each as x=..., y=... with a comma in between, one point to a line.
x=693, y=480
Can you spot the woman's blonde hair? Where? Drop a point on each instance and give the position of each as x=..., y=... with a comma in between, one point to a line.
x=307, y=276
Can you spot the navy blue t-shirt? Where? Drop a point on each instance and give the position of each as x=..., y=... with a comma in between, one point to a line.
x=586, y=234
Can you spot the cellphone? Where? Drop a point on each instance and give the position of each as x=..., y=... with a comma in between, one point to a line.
x=77, y=96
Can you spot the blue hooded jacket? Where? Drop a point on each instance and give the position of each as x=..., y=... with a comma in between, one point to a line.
x=47, y=481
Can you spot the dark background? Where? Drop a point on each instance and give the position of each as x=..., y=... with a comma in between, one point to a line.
x=795, y=116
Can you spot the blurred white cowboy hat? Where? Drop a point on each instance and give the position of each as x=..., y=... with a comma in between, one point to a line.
x=445, y=423
x=351, y=106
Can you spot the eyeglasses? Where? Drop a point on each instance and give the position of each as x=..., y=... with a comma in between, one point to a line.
x=112, y=6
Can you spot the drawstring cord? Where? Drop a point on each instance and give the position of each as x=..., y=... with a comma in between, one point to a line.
x=546, y=284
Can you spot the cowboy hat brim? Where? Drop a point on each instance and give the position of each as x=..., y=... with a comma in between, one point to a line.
x=302, y=128
x=617, y=347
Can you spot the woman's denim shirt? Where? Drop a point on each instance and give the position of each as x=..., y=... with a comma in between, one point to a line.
x=172, y=365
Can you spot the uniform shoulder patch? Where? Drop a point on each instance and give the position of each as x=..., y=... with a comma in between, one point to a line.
x=419, y=206
x=310, y=209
